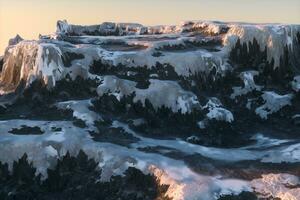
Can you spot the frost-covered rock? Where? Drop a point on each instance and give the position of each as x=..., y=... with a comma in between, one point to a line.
x=273, y=103
x=217, y=112
x=45, y=61
x=249, y=84
x=28, y=61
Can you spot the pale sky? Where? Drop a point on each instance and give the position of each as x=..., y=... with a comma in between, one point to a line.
x=31, y=17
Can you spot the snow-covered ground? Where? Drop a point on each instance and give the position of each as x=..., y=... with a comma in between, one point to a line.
x=62, y=136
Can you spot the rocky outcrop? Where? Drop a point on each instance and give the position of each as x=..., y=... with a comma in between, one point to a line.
x=30, y=60
x=15, y=40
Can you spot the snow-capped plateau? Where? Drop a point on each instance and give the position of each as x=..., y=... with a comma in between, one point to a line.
x=210, y=109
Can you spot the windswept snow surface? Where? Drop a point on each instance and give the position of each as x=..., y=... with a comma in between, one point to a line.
x=208, y=125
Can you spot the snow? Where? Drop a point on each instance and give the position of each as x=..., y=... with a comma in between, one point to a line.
x=278, y=154
x=282, y=186
x=80, y=110
x=42, y=59
x=273, y=37
x=208, y=27
x=249, y=84
x=168, y=93
x=185, y=63
x=57, y=137
x=273, y=102
x=51, y=151
x=296, y=83
x=232, y=186
x=194, y=187
x=216, y=111
x=159, y=93
x=110, y=28
x=201, y=124
x=192, y=138
x=50, y=64
x=106, y=28
x=265, y=142
x=43, y=150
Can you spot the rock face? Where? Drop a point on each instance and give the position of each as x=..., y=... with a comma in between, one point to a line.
x=160, y=98
x=15, y=40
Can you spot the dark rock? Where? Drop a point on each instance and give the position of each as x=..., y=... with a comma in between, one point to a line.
x=1, y=63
